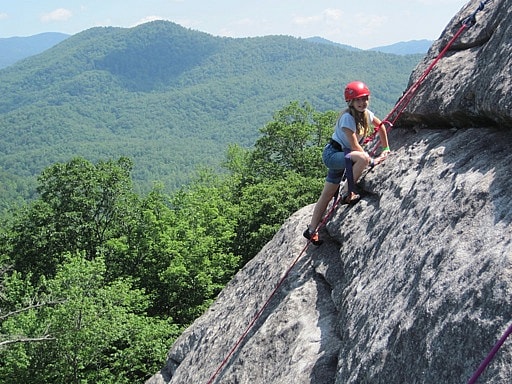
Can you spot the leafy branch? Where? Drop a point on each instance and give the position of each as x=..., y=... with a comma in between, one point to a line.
x=22, y=339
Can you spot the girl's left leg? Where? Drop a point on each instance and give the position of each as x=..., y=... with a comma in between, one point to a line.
x=360, y=161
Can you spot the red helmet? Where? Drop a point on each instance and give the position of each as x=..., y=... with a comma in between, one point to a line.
x=356, y=89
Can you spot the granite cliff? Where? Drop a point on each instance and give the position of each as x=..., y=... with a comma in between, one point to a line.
x=414, y=283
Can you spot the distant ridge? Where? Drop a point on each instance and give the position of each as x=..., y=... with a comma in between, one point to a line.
x=321, y=40
x=405, y=47
x=411, y=47
x=13, y=49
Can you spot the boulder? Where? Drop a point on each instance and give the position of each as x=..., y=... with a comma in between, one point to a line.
x=470, y=85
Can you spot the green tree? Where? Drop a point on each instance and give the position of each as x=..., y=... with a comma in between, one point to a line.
x=99, y=331
x=292, y=141
x=81, y=205
x=203, y=260
x=124, y=273
x=87, y=200
x=266, y=205
x=20, y=299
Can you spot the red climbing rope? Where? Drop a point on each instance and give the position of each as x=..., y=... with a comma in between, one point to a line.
x=490, y=356
x=259, y=313
x=255, y=318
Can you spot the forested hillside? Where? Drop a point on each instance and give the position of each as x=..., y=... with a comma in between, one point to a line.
x=167, y=97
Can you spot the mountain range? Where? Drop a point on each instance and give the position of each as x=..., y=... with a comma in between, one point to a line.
x=13, y=49
x=170, y=98
x=401, y=48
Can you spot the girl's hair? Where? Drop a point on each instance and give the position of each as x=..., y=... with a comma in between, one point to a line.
x=363, y=124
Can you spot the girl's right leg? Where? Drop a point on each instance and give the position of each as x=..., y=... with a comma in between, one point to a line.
x=311, y=232
x=321, y=205
x=335, y=162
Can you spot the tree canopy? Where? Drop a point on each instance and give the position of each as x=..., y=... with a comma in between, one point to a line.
x=97, y=280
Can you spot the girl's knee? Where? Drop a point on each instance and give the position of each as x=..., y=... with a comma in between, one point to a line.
x=360, y=157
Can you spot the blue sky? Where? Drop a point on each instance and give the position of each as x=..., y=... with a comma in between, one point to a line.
x=360, y=23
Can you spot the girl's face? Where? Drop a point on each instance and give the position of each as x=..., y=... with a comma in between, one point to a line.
x=361, y=103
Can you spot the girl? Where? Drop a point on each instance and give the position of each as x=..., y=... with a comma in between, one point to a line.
x=352, y=127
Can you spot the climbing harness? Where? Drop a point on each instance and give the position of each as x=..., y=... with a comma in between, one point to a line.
x=387, y=124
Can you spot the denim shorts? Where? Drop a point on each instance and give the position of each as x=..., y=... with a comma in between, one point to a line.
x=334, y=160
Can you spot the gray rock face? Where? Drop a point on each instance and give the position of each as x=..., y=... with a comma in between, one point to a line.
x=471, y=84
x=414, y=283
x=294, y=339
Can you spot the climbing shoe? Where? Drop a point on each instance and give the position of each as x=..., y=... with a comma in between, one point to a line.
x=313, y=237
x=350, y=198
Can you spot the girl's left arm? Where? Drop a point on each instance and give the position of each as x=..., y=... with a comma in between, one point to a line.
x=382, y=135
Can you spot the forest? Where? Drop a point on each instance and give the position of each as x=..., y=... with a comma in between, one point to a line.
x=169, y=98
x=97, y=280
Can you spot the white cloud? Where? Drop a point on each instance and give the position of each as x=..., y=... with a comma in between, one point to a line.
x=147, y=19
x=327, y=16
x=60, y=14
x=332, y=14
x=305, y=20
x=333, y=24
x=369, y=24
x=3, y=16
